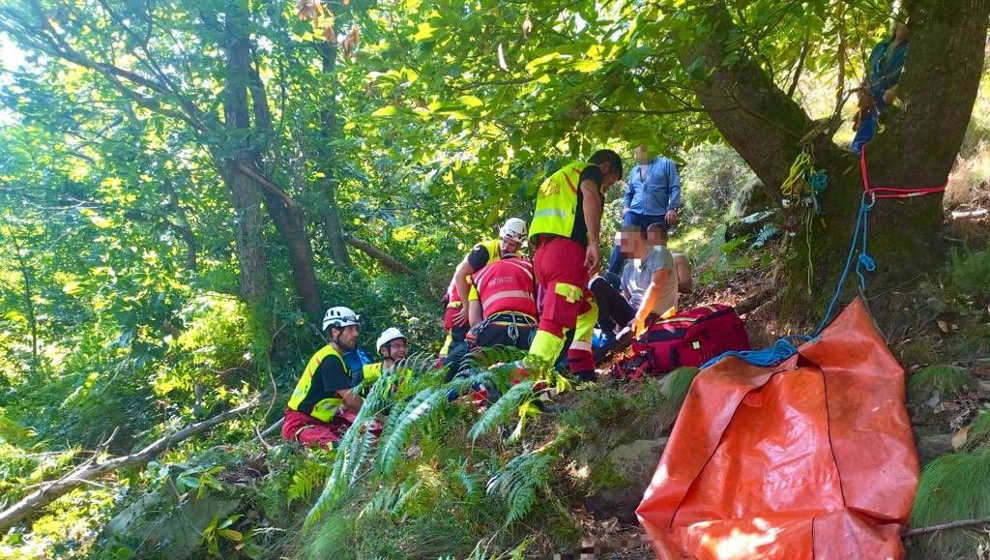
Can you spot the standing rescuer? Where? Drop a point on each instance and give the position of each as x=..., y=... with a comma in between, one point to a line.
x=323, y=405
x=565, y=232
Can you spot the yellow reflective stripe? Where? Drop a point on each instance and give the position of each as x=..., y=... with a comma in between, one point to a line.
x=507, y=294
x=570, y=292
x=585, y=325
x=550, y=212
x=546, y=346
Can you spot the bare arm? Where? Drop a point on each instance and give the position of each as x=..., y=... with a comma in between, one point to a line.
x=592, y=208
x=474, y=312
x=650, y=299
x=461, y=275
x=351, y=399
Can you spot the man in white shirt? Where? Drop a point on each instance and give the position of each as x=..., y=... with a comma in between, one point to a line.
x=648, y=286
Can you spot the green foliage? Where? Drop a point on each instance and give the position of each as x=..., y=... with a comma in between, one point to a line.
x=968, y=273
x=946, y=493
x=948, y=381
x=676, y=385
x=520, y=482
x=499, y=412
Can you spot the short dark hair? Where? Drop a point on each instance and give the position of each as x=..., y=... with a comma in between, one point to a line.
x=601, y=156
x=634, y=228
x=658, y=228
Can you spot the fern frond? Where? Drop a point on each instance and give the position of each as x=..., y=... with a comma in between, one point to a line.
x=416, y=410
x=502, y=409
x=486, y=357
x=518, y=484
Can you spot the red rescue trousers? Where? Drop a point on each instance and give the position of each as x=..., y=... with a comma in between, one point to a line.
x=567, y=304
x=311, y=432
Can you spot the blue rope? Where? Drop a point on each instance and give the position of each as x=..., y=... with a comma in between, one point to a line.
x=783, y=348
x=767, y=357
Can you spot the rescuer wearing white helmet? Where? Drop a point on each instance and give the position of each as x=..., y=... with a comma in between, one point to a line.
x=323, y=404
x=393, y=348
x=457, y=318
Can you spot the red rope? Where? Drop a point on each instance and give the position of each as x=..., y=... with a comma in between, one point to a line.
x=891, y=192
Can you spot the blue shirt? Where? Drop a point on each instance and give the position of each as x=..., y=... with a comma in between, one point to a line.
x=656, y=191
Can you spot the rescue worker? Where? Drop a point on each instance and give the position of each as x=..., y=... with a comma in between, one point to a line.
x=565, y=232
x=393, y=348
x=507, y=303
x=511, y=236
x=323, y=404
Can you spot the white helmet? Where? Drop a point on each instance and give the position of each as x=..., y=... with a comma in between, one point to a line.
x=514, y=229
x=340, y=317
x=388, y=335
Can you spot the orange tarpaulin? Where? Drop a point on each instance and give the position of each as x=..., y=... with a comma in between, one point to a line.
x=811, y=459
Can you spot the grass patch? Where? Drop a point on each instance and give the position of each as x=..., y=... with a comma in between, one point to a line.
x=950, y=490
x=946, y=380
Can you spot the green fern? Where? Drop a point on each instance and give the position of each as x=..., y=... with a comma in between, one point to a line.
x=306, y=479
x=502, y=409
x=946, y=493
x=520, y=482
x=416, y=410
x=948, y=381
x=486, y=357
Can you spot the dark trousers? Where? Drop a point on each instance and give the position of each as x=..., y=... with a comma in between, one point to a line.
x=613, y=309
x=502, y=335
x=455, y=354
x=616, y=260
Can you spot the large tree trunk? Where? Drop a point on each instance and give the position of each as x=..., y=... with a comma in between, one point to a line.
x=917, y=149
x=328, y=116
x=255, y=281
x=287, y=216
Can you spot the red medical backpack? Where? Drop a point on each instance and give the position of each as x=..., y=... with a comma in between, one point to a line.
x=690, y=338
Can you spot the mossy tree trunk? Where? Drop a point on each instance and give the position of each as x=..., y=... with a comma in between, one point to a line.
x=917, y=147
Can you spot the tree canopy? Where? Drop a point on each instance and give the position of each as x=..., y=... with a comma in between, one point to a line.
x=186, y=185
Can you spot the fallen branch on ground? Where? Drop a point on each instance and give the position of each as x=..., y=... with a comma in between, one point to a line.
x=92, y=467
x=961, y=524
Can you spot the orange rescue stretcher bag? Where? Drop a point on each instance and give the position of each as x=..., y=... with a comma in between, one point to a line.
x=812, y=459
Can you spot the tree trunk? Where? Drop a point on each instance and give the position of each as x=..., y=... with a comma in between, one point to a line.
x=917, y=149
x=332, y=228
x=287, y=216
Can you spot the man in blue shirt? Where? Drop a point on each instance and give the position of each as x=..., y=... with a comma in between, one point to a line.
x=653, y=195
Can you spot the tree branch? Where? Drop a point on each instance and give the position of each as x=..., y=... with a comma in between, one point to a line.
x=800, y=67
x=962, y=523
x=93, y=468
x=267, y=184
x=388, y=261
x=759, y=120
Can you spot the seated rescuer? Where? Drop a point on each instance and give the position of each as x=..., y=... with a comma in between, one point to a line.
x=393, y=348
x=323, y=405
x=511, y=235
x=507, y=294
